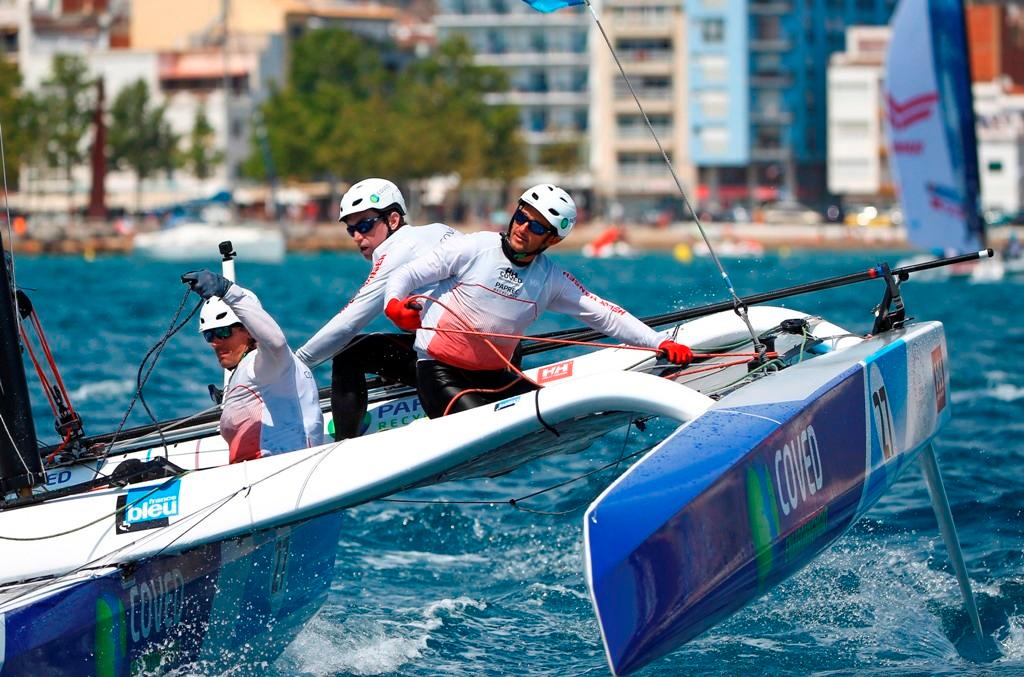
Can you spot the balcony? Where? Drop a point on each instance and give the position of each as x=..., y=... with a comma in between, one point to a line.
x=770, y=44
x=772, y=115
x=652, y=106
x=628, y=56
x=644, y=27
x=770, y=153
x=770, y=8
x=642, y=132
x=773, y=81
x=538, y=98
x=513, y=59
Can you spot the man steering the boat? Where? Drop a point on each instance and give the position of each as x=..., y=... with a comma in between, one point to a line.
x=490, y=288
x=271, y=402
x=373, y=211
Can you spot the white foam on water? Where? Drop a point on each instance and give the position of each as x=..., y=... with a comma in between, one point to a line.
x=410, y=558
x=108, y=388
x=363, y=646
x=1012, y=646
x=1005, y=392
x=547, y=590
x=385, y=515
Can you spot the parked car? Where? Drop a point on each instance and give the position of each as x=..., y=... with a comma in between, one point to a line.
x=792, y=213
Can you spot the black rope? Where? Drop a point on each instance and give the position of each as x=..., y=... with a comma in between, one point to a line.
x=536, y=404
x=140, y=379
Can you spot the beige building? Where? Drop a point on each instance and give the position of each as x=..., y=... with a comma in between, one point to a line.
x=180, y=24
x=631, y=179
x=195, y=66
x=858, y=168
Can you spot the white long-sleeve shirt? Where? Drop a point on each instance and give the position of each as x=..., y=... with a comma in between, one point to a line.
x=404, y=245
x=479, y=289
x=271, y=403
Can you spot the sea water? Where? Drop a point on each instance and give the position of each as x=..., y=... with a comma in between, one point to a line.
x=488, y=589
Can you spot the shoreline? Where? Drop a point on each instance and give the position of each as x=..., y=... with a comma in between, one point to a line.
x=326, y=237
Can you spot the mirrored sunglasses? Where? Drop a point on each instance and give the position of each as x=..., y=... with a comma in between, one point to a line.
x=363, y=227
x=536, y=227
x=218, y=333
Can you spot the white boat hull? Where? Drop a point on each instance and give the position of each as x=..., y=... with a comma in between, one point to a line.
x=198, y=242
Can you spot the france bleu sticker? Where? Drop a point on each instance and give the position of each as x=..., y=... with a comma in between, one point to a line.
x=147, y=508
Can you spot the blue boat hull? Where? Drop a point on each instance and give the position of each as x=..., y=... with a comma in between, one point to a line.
x=753, y=490
x=212, y=607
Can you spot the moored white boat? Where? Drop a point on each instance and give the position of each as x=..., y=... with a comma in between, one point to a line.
x=198, y=241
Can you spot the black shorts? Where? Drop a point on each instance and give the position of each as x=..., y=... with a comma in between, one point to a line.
x=447, y=389
x=390, y=356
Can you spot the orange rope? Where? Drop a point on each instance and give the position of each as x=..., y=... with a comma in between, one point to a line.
x=566, y=342
x=493, y=347
x=522, y=376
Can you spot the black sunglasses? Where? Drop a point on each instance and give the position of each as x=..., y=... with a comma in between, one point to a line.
x=218, y=333
x=365, y=226
x=536, y=227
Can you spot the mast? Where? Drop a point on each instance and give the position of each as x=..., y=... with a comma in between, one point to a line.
x=98, y=160
x=20, y=464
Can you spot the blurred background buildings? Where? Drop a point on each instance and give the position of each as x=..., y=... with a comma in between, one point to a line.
x=759, y=104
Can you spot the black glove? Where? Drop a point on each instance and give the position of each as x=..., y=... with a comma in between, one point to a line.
x=207, y=284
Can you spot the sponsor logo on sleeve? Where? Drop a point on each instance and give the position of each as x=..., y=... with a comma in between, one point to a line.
x=147, y=508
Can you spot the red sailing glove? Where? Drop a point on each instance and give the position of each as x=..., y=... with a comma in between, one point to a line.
x=405, y=314
x=676, y=353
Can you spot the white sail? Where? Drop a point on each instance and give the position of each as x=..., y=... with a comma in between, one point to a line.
x=930, y=126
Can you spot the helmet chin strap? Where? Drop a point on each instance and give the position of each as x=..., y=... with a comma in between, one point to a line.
x=514, y=256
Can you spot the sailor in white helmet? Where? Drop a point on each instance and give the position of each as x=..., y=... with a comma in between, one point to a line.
x=374, y=212
x=271, y=403
x=500, y=284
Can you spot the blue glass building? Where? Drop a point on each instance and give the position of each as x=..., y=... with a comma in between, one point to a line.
x=757, y=92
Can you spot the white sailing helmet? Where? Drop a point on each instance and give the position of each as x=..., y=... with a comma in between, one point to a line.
x=377, y=194
x=555, y=204
x=215, y=313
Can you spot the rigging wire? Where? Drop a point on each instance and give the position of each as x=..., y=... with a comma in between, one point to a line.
x=141, y=379
x=739, y=307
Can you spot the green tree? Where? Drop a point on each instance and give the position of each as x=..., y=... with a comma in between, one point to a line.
x=19, y=117
x=66, y=108
x=202, y=156
x=563, y=156
x=140, y=138
x=346, y=112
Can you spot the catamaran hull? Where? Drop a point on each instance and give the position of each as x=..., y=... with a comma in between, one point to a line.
x=202, y=607
x=708, y=521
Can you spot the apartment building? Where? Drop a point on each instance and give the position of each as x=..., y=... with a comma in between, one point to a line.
x=631, y=180
x=858, y=167
x=857, y=160
x=758, y=91
x=548, y=64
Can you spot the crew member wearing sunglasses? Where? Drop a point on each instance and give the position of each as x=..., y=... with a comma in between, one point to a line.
x=271, y=403
x=500, y=284
x=373, y=211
